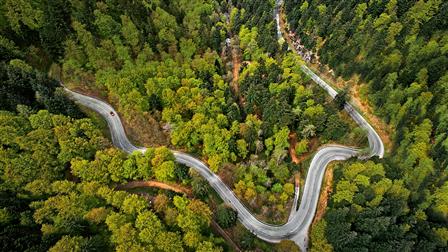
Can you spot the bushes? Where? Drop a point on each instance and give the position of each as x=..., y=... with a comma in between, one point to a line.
x=225, y=216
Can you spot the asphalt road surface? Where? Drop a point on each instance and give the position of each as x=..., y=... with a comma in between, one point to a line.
x=296, y=228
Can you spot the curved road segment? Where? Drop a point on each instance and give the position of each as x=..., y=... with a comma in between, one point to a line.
x=296, y=229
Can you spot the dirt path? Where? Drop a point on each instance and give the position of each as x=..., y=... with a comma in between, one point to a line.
x=236, y=62
x=282, y=21
x=178, y=189
x=292, y=138
x=324, y=194
x=157, y=184
x=297, y=179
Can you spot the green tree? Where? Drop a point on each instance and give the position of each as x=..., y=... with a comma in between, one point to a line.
x=309, y=131
x=67, y=243
x=19, y=13
x=130, y=32
x=226, y=216
x=166, y=25
x=287, y=245
x=341, y=99
x=318, y=238
x=149, y=225
x=169, y=241
x=301, y=147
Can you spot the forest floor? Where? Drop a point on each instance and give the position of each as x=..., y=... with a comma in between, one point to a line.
x=236, y=62
x=292, y=147
x=236, y=65
x=383, y=129
x=142, y=128
x=324, y=194
x=312, y=147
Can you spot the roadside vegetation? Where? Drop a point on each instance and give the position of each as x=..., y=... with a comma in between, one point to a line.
x=164, y=68
x=399, y=48
x=164, y=65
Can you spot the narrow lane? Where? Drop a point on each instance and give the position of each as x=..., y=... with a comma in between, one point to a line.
x=295, y=229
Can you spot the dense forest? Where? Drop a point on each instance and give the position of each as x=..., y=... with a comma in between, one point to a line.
x=399, y=49
x=244, y=107
x=60, y=176
x=62, y=181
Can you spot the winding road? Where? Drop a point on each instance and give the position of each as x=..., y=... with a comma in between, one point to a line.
x=296, y=229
